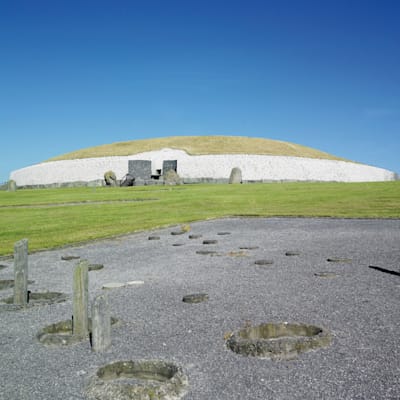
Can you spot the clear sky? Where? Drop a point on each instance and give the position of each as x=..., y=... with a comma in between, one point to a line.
x=75, y=74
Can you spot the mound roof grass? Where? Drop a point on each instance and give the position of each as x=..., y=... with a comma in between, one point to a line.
x=199, y=145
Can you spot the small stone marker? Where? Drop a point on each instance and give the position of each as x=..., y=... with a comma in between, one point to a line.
x=101, y=324
x=80, y=301
x=21, y=272
x=11, y=186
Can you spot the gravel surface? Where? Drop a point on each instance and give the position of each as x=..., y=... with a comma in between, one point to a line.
x=358, y=304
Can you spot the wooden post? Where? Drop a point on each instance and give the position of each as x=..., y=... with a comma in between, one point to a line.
x=21, y=272
x=101, y=324
x=80, y=301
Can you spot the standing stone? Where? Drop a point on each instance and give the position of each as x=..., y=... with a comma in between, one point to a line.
x=236, y=175
x=21, y=272
x=80, y=300
x=140, y=170
x=101, y=324
x=11, y=186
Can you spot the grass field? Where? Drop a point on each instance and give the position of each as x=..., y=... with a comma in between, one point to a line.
x=55, y=217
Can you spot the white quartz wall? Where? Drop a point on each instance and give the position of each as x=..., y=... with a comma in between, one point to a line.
x=254, y=167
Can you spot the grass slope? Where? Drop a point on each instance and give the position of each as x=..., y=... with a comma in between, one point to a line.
x=196, y=145
x=55, y=217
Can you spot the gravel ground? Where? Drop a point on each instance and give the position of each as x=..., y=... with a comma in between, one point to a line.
x=359, y=305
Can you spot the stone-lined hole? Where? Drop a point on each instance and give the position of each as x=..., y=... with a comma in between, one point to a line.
x=338, y=260
x=206, y=252
x=210, y=241
x=95, y=267
x=223, y=233
x=195, y=236
x=9, y=283
x=143, y=379
x=60, y=333
x=41, y=298
x=292, y=253
x=195, y=298
x=326, y=274
x=264, y=262
x=154, y=237
x=69, y=258
x=278, y=341
x=2, y=266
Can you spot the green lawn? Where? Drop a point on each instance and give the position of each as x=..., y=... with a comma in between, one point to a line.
x=55, y=217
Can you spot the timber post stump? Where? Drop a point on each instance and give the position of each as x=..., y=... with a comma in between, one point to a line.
x=21, y=272
x=80, y=301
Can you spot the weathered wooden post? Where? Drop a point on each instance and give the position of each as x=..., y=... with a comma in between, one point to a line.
x=21, y=272
x=101, y=324
x=80, y=301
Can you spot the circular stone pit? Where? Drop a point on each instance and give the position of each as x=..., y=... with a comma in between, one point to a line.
x=60, y=333
x=338, y=260
x=2, y=266
x=95, y=267
x=264, y=262
x=292, y=253
x=40, y=298
x=210, y=241
x=69, y=258
x=154, y=237
x=195, y=298
x=326, y=274
x=9, y=283
x=206, y=252
x=278, y=341
x=137, y=380
x=195, y=236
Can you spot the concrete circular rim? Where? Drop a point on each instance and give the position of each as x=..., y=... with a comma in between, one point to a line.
x=40, y=298
x=60, y=333
x=9, y=283
x=264, y=262
x=195, y=298
x=278, y=341
x=141, y=379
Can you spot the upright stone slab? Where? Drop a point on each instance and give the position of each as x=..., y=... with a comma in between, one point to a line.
x=80, y=325
x=101, y=324
x=236, y=175
x=21, y=272
x=11, y=186
x=140, y=169
x=170, y=165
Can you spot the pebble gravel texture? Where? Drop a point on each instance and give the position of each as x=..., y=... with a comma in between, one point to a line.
x=359, y=306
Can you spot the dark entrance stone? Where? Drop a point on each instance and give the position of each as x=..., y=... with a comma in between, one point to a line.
x=140, y=169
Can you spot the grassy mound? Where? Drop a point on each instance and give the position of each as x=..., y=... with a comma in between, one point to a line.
x=197, y=145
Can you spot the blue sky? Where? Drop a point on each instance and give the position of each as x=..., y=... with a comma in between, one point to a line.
x=75, y=74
